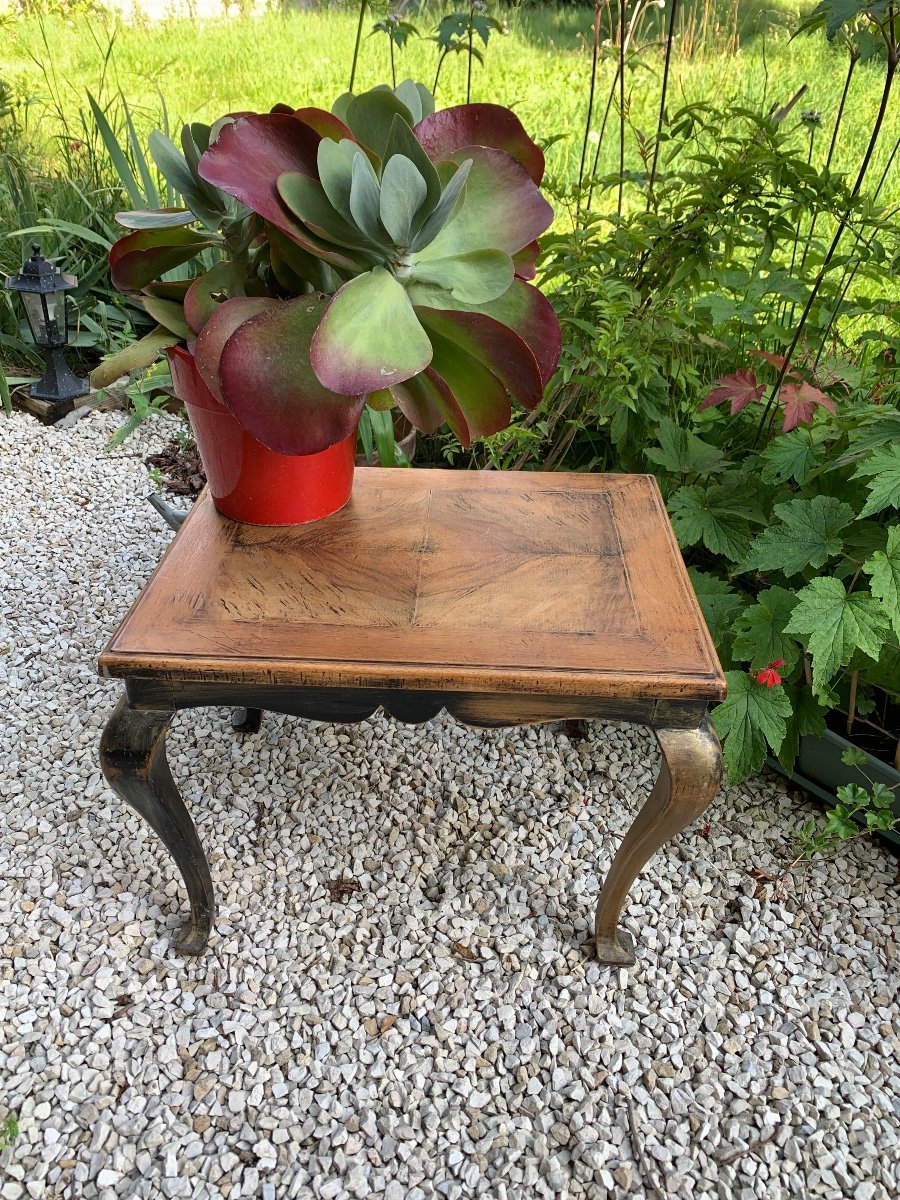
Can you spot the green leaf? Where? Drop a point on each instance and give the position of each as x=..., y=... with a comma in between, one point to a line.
x=807, y=719
x=474, y=278
x=334, y=161
x=854, y=757
x=403, y=141
x=751, y=719
x=371, y=115
x=451, y=196
x=403, y=193
x=369, y=338
x=156, y=218
x=365, y=200
x=682, y=452
x=55, y=225
x=834, y=625
x=697, y=517
x=168, y=313
x=132, y=358
x=793, y=455
x=5, y=398
x=118, y=158
x=883, y=569
x=720, y=604
x=806, y=537
x=137, y=153
x=200, y=197
x=760, y=631
x=884, y=488
x=306, y=198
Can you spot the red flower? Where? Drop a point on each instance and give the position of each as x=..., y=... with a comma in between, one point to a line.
x=76, y=146
x=769, y=676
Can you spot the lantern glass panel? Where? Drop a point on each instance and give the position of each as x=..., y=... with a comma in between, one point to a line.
x=56, y=317
x=33, y=303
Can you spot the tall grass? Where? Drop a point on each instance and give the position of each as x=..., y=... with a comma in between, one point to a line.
x=738, y=51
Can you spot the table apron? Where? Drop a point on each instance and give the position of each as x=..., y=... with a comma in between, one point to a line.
x=484, y=709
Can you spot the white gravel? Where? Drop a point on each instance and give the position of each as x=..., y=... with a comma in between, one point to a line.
x=443, y=1031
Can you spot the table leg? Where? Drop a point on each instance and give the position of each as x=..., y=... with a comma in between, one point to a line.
x=689, y=776
x=133, y=759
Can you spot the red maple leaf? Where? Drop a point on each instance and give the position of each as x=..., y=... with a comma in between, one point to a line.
x=739, y=388
x=800, y=400
x=777, y=361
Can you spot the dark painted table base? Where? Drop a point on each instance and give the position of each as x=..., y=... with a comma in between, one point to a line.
x=133, y=758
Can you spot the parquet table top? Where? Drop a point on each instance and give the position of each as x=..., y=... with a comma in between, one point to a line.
x=536, y=582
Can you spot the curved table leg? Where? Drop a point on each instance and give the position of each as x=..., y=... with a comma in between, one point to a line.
x=689, y=776
x=133, y=759
x=246, y=720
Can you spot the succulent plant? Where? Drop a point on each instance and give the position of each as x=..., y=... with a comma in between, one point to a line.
x=380, y=252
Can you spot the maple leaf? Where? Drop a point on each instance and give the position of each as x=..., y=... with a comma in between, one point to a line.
x=760, y=630
x=835, y=625
x=884, y=488
x=740, y=388
x=806, y=537
x=800, y=400
x=884, y=570
x=793, y=455
x=710, y=516
x=749, y=720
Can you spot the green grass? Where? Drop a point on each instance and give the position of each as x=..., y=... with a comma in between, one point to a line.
x=542, y=69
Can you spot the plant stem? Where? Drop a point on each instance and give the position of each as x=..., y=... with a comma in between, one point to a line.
x=590, y=111
x=622, y=4
x=359, y=28
x=437, y=73
x=469, y=68
x=393, y=65
x=670, y=38
x=892, y=61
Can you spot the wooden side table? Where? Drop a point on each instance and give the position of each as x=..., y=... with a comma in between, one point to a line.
x=504, y=598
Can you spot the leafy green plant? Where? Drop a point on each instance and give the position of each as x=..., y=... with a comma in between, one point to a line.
x=860, y=811
x=379, y=250
x=9, y=1131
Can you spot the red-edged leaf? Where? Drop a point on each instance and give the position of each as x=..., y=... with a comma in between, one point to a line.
x=800, y=400
x=777, y=361
x=481, y=403
x=494, y=345
x=452, y=129
x=249, y=155
x=140, y=258
x=501, y=208
x=526, y=259
x=188, y=382
x=326, y=124
x=738, y=389
x=205, y=294
x=531, y=315
x=228, y=317
x=269, y=385
x=426, y=402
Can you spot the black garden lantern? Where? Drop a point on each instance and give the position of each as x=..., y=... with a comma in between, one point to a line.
x=43, y=289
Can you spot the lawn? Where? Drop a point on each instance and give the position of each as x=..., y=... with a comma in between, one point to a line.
x=741, y=55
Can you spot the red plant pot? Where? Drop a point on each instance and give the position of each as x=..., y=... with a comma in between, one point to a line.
x=247, y=481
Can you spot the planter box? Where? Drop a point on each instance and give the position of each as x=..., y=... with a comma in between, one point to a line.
x=819, y=770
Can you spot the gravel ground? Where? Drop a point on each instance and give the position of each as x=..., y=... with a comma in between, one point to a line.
x=436, y=1026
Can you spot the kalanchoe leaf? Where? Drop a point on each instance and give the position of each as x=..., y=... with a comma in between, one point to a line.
x=198, y=195
x=403, y=193
x=408, y=94
x=481, y=401
x=306, y=198
x=445, y=133
x=168, y=313
x=138, y=355
x=228, y=317
x=492, y=344
x=168, y=289
x=426, y=402
x=335, y=165
x=141, y=257
x=325, y=124
x=525, y=260
x=365, y=201
x=340, y=106
x=293, y=261
x=222, y=281
x=501, y=209
x=269, y=385
x=474, y=278
x=402, y=140
x=451, y=197
x=156, y=218
x=371, y=115
x=381, y=400
x=370, y=337
x=249, y=155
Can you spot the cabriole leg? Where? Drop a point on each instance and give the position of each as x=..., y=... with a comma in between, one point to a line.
x=133, y=759
x=689, y=776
